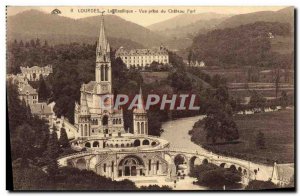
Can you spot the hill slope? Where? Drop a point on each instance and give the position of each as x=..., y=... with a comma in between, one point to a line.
x=285, y=15
x=244, y=45
x=184, y=20
x=58, y=29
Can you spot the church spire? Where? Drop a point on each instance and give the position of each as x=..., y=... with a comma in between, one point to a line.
x=141, y=107
x=103, y=48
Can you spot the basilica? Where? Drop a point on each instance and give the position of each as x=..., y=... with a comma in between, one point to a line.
x=103, y=145
x=91, y=118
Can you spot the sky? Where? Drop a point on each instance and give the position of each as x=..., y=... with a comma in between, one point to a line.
x=144, y=16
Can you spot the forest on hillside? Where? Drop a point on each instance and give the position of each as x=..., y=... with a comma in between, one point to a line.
x=245, y=45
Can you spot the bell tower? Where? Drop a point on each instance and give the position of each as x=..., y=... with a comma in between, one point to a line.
x=140, y=120
x=103, y=63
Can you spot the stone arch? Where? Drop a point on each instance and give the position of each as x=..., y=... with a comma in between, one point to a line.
x=136, y=143
x=205, y=161
x=146, y=142
x=153, y=143
x=96, y=144
x=120, y=121
x=88, y=145
x=69, y=163
x=131, y=165
x=105, y=120
x=81, y=163
x=240, y=169
x=194, y=161
x=111, y=145
x=179, y=159
x=232, y=167
x=122, y=146
x=128, y=145
x=245, y=172
x=114, y=121
x=117, y=145
x=223, y=165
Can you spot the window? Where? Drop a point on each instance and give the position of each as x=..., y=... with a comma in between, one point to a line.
x=104, y=167
x=149, y=165
x=112, y=166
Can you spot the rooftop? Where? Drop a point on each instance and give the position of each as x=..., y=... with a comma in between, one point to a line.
x=40, y=108
x=27, y=90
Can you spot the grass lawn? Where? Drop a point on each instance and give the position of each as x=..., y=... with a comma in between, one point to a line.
x=278, y=128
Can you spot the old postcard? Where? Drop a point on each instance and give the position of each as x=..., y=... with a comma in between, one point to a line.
x=150, y=98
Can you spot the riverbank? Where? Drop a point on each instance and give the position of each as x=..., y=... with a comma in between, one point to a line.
x=278, y=130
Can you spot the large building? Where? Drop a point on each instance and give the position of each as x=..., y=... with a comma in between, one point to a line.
x=143, y=57
x=28, y=94
x=91, y=118
x=35, y=73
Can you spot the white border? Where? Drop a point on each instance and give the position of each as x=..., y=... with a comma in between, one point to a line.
x=3, y=3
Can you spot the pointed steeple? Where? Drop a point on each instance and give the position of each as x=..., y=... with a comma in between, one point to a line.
x=103, y=48
x=141, y=107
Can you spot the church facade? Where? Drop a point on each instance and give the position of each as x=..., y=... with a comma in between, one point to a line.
x=95, y=115
x=99, y=129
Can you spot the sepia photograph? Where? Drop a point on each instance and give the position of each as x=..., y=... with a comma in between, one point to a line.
x=150, y=98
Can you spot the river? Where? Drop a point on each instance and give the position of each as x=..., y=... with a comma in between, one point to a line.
x=176, y=132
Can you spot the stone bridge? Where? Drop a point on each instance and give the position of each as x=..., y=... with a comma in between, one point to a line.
x=112, y=163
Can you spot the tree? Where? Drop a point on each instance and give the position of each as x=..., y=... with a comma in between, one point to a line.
x=284, y=100
x=218, y=177
x=23, y=143
x=63, y=140
x=260, y=140
x=52, y=154
x=260, y=185
x=219, y=123
x=276, y=78
x=43, y=90
x=257, y=101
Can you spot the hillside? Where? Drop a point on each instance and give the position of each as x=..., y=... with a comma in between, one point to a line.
x=245, y=45
x=56, y=29
x=184, y=20
x=285, y=15
x=120, y=28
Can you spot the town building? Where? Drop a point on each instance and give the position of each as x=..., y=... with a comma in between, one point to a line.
x=35, y=73
x=28, y=94
x=197, y=64
x=135, y=58
x=42, y=110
